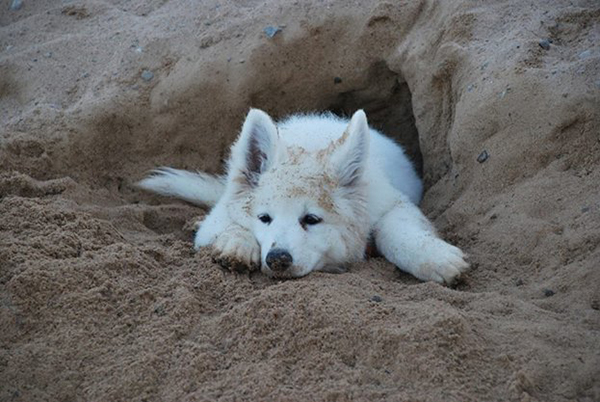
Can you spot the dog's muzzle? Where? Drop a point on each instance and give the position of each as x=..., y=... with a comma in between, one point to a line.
x=278, y=260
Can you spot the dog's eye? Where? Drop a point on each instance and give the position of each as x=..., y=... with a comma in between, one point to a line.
x=311, y=219
x=265, y=218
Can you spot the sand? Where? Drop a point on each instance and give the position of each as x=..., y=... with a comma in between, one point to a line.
x=103, y=298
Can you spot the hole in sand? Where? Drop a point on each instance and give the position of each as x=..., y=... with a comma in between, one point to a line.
x=388, y=103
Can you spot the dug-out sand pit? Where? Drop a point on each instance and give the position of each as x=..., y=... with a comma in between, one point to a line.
x=102, y=297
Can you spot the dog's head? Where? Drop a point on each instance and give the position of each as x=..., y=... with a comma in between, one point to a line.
x=308, y=208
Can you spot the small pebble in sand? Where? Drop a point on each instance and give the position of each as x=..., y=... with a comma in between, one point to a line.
x=376, y=299
x=519, y=282
x=502, y=94
x=337, y=80
x=147, y=75
x=160, y=310
x=48, y=54
x=271, y=31
x=548, y=292
x=585, y=54
x=544, y=44
x=483, y=156
x=16, y=5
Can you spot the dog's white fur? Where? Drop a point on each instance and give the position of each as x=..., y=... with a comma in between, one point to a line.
x=358, y=182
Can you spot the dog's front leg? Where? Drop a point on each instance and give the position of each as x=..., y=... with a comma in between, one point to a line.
x=405, y=237
x=233, y=245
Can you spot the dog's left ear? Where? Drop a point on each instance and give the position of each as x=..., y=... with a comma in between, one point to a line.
x=351, y=156
x=254, y=151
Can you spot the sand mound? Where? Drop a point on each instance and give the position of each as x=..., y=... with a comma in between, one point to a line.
x=102, y=297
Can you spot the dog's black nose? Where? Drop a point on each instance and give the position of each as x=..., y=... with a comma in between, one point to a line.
x=279, y=260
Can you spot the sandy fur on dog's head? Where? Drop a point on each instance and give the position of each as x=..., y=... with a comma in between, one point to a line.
x=303, y=184
x=318, y=180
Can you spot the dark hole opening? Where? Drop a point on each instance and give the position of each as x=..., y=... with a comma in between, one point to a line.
x=387, y=101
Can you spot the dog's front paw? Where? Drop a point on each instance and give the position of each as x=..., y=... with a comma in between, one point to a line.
x=237, y=250
x=443, y=263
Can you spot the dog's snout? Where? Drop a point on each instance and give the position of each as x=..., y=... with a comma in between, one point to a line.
x=279, y=259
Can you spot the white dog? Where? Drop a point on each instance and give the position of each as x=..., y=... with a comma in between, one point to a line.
x=307, y=193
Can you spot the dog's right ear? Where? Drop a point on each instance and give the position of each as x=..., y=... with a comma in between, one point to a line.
x=254, y=151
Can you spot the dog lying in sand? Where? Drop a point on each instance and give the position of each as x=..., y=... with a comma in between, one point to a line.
x=306, y=194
